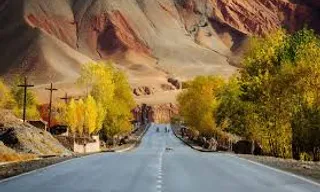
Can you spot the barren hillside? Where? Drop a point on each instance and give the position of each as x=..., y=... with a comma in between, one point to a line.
x=151, y=40
x=17, y=137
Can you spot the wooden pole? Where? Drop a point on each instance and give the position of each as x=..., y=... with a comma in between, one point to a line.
x=51, y=89
x=25, y=86
x=66, y=98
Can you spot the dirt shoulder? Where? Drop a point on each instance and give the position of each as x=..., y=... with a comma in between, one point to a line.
x=188, y=142
x=307, y=169
x=17, y=168
x=135, y=141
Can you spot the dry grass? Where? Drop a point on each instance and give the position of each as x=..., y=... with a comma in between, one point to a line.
x=16, y=157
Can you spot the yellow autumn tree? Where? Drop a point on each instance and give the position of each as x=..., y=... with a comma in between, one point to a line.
x=119, y=113
x=17, y=93
x=101, y=114
x=61, y=116
x=98, y=77
x=80, y=114
x=6, y=99
x=198, y=103
x=71, y=117
x=114, y=100
x=91, y=114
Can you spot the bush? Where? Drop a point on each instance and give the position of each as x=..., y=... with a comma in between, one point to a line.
x=305, y=157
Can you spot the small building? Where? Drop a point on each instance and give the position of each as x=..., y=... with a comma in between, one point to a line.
x=59, y=130
x=80, y=144
x=41, y=124
x=87, y=146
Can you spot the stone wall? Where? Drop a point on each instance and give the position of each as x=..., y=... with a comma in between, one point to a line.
x=87, y=147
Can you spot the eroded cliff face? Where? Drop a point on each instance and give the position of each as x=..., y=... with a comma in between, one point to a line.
x=111, y=33
x=150, y=40
x=163, y=113
x=232, y=20
x=259, y=17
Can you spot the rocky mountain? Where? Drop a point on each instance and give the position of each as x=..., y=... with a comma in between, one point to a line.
x=151, y=40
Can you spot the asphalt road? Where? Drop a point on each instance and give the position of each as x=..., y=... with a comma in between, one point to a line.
x=153, y=168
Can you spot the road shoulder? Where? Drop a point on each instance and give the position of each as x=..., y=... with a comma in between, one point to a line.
x=310, y=170
x=188, y=143
x=15, y=169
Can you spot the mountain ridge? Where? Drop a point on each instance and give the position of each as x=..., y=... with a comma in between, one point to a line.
x=150, y=40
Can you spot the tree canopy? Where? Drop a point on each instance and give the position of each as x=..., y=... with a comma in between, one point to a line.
x=198, y=102
x=274, y=100
x=107, y=104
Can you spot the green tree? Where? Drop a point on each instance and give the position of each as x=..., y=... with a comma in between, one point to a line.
x=280, y=74
x=234, y=115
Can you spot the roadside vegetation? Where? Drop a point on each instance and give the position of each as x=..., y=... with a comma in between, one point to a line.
x=11, y=97
x=106, y=108
x=16, y=157
x=274, y=99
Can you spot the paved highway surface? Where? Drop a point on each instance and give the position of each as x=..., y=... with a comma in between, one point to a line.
x=152, y=168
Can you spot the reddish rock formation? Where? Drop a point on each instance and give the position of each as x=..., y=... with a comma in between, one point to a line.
x=111, y=33
x=144, y=90
x=58, y=26
x=185, y=38
x=175, y=82
x=255, y=16
x=163, y=113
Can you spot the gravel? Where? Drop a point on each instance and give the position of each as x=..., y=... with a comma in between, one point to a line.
x=307, y=169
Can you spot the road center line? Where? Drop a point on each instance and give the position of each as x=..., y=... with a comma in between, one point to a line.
x=159, y=175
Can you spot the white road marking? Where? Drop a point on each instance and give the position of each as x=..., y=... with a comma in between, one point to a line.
x=159, y=175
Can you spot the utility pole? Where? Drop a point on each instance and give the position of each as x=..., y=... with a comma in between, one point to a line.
x=25, y=86
x=51, y=89
x=66, y=98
